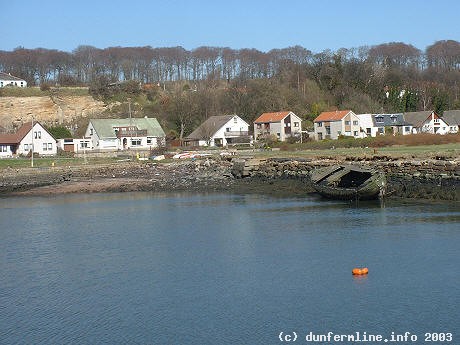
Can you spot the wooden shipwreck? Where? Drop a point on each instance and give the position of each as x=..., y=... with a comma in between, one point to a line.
x=348, y=182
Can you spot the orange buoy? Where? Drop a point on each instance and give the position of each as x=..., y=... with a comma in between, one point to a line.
x=360, y=271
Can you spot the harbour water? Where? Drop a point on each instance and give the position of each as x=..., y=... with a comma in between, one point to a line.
x=145, y=268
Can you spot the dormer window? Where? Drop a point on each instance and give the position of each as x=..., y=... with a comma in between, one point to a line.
x=379, y=119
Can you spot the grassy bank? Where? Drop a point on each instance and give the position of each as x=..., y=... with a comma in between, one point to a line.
x=37, y=92
x=18, y=163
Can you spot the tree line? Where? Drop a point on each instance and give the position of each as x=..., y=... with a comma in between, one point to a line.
x=390, y=77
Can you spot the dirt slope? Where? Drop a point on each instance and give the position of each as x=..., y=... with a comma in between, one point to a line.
x=49, y=110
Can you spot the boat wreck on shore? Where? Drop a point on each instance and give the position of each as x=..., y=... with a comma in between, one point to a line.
x=348, y=182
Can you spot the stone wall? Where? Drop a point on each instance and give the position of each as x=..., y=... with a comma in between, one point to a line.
x=427, y=179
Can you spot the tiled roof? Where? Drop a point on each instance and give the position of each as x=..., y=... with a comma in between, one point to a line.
x=332, y=115
x=16, y=138
x=272, y=117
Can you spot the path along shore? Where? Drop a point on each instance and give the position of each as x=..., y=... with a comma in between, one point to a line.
x=434, y=179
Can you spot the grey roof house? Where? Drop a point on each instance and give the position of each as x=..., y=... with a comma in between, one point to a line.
x=220, y=130
x=6, y=79
x=426, y=122
x=452, y=119
x=120, y=134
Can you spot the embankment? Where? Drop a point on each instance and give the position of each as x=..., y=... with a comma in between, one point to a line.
x=436, y=179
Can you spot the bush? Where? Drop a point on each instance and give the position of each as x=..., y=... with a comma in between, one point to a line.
x=59, y=132
x=45, y=87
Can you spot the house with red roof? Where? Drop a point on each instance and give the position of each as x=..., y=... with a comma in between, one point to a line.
x=282, y=124
x=332, y=124
x=26, y=139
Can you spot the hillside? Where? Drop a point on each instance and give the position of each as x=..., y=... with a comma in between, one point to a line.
x=49, y=110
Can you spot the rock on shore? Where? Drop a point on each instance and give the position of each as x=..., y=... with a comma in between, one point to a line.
x=427, y=179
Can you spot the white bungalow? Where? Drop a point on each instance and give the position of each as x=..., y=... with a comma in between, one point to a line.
x=7, y=79
x=452, y=119
x=120, y=134
x=426, y=122
x=220, y=131
x=378, y=124
x=27, y=139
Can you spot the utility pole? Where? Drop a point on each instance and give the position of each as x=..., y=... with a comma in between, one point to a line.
x=32, y=146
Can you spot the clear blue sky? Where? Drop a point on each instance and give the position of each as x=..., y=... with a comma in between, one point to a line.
x=264, y=25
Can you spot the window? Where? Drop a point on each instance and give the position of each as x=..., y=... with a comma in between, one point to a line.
x=45, y=147
x=328, y=130
x=407, y=129
x=296, y=124
x=149, y=141
x=379, y=119
x=3, y=148
x=320, y=124
x=355, y=133
x=227, y=129
x=83, y=145
x=381, y=130
x=355, y=123
x=135, y=142
x=436, y=120
x=368, y=130
x=235, y=120
x=90, y=131
x=347, y=123
x=26, y=147
x=50, y=146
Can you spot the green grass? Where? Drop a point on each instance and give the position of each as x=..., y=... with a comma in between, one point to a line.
x=451, y=150
x=36, y=92
x=17, y=163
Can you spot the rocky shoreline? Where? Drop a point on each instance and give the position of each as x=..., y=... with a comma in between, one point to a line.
x=422, y=179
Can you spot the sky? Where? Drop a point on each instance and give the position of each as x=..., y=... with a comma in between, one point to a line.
x=264, y=25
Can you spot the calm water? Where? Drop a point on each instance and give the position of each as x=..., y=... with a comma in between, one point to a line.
x=143, y=268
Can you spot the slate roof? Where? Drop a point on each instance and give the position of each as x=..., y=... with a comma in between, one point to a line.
x=9, y=77
x=105, y=127
x=337, y=115
x=451, y=117
x=209, y=127
x=389, y=120
x=272, y=117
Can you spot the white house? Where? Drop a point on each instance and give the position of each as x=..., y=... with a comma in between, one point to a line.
x=76, y=145
x=332, y=124
x=7, y=79
x=220, y=131
x=120, y=134
x=27, y=139
x=282, y=124
x=426, y=122
x=378, y=124
x=452, y=119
